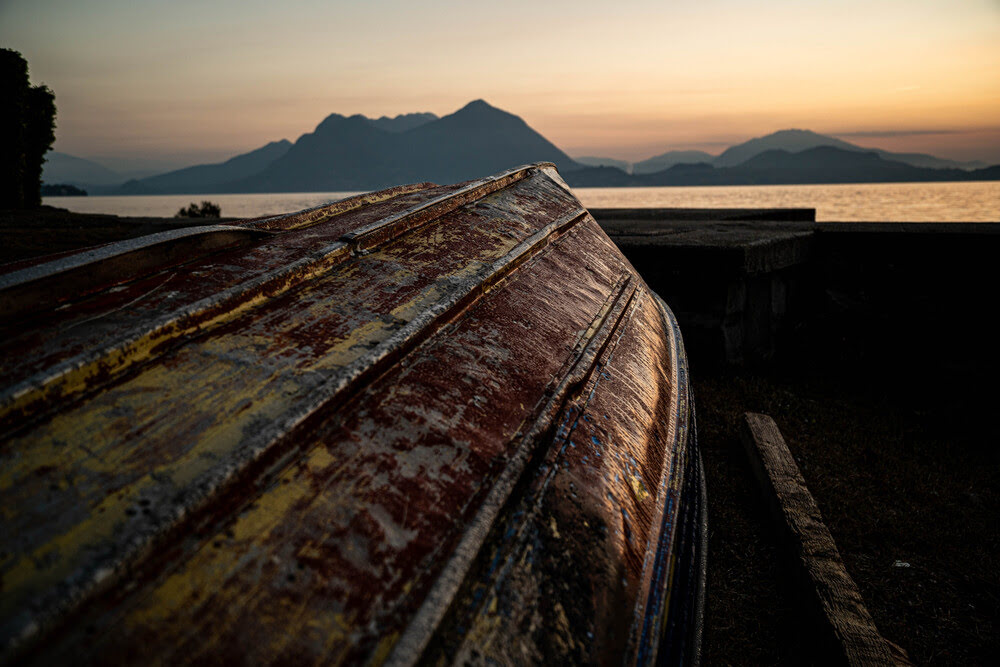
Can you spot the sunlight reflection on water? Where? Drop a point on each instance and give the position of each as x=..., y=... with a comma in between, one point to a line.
x=165, y=206
x=899, y=202
x=895, y=202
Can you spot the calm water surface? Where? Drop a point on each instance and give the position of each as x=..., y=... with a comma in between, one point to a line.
x=165, y=206
x=896, y=202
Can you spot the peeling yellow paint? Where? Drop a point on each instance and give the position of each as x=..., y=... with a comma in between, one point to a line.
x=166, y=426
x=384, y=648
x=638, y=488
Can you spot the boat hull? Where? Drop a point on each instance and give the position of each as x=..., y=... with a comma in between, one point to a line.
x=433, y=423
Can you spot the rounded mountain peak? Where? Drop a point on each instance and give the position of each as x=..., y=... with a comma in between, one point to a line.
x=479, y=104
x=479, y=112
x=335, y=120
x=480, y=108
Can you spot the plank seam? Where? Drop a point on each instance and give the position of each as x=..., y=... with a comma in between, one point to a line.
x=177, y=510
x=33, y=395
x=421, y=628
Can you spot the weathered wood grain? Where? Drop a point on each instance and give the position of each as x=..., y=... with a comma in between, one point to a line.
x=846, y=627
x=435, y=424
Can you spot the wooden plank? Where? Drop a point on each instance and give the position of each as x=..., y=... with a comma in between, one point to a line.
x=845, y=623
x=446, y=425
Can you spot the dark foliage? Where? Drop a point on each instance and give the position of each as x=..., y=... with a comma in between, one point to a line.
x=62, y=190
x=27, y=124
x=206, y=210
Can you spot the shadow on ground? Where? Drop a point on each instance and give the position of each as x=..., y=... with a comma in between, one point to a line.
x=902, y=460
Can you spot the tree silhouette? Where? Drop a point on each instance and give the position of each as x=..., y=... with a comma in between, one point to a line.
x=206, y=210
x=27, y=125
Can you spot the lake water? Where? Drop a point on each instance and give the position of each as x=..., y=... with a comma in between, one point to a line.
x=894, y=202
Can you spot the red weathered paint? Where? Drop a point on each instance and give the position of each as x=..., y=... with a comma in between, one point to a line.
x=455, y=429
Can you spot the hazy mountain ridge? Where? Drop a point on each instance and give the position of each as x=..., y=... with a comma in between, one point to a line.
x=930, y=161
x=669, y=159
x=792, y=140
x=355, y=154
x=599, y=177
x=403, y=122
x=820, y=164
x=78, y=171
x=593, y=161
x=360, y=153
x=207, y=178
x=795, y=141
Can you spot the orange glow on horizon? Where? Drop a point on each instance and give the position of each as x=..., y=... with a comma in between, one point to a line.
x=629, y=84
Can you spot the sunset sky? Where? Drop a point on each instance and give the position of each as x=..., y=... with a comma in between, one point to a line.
x=182, y=82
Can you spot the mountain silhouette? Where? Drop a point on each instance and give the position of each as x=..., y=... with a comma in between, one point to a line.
x=669, y=159
x=821, y=164
x=65, y=168
x=795, y=141
x=403, y=122
x=355, y=154
x=593, y=161
x=478, y=140
x=929, y=161
x=988, y=173
x=791, y=141
x=342, y=153
x=599, y=177
x=207, y=178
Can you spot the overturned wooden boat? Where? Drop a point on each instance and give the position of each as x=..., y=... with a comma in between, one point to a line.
x=437, y=424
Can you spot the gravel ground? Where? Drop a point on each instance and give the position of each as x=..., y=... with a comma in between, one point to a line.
x=907, y=484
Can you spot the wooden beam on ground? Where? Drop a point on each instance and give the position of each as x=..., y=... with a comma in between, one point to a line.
x=846, y=626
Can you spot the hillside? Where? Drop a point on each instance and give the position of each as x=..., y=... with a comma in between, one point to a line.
x=355, y=154
x=352, y=153
x=594, y=161
x=403, y=122
x=669, y=159
x=72, y=170
x=791, y=141
x=207, y=178
x=823, y=164
x=795, y=141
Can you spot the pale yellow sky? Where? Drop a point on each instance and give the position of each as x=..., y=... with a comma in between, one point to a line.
x=188, y=81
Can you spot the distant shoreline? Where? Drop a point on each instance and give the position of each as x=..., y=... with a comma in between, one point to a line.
x=973, y=201
x=48, y=230
x=782, y=183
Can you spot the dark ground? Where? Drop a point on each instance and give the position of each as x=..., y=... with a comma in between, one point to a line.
x=47, y=230
x=901, y=457
x=904, y=467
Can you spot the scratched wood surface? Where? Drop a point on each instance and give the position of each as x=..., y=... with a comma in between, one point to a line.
x=441, y=423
